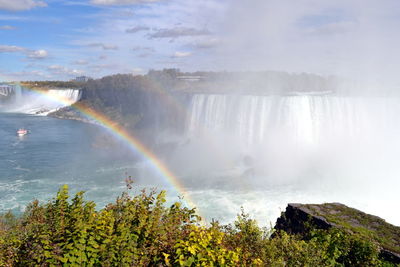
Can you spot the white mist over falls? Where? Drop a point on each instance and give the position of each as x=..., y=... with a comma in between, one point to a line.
x=268, y=150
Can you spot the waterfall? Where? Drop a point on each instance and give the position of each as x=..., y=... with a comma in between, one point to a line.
x=309, y=139
x=43, y=103
x=304, y=118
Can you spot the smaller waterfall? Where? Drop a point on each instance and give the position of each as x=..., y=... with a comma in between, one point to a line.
x=43, y=103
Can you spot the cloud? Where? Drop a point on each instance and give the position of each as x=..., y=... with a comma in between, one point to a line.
x=80, y=62
x=143, y=49
x=178, y=32
x=206, y=43
x=13, y=17
x=7, y=27
x=121, y=2
x=154, y=33
x=144, y=55
x=332, y=28
x=11, y=49
x=30, y=54
x=104, y=46
x=20, y=5
x=137, y=29
x=24, y=75
x=61, y=70
x=37, y=54
x=102, y=67
x=181, y=54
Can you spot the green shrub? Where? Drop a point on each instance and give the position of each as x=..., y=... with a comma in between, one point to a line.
x=204, y=247
x=245, y=234
x=142, y=231
x=133, y=231
x=344, y=249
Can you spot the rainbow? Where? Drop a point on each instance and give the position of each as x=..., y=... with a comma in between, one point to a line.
x=130, y=140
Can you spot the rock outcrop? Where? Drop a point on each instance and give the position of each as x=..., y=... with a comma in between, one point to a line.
x=301, y=218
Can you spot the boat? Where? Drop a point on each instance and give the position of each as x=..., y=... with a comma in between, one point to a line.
x=22, y=132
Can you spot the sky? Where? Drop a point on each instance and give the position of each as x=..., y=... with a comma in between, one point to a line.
x=62, y=39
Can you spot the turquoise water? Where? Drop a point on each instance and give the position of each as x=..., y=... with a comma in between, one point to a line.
x=84, y=156
x=58, y=152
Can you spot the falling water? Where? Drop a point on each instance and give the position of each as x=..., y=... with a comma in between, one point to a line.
x=318, y=147
x=42, y=103
x=305, y=118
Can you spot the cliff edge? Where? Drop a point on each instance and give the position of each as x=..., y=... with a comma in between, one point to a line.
x=302, y=218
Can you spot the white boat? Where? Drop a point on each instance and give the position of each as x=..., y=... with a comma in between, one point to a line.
x=22, y=132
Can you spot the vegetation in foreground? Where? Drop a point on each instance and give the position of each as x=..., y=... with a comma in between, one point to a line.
x=143, y=231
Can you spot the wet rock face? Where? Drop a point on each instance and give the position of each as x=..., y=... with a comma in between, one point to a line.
x=302, y=218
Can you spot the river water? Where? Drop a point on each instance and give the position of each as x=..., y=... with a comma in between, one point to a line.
x=55, y=152
x=58, y=152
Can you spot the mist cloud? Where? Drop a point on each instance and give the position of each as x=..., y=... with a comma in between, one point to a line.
x=350, y=38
